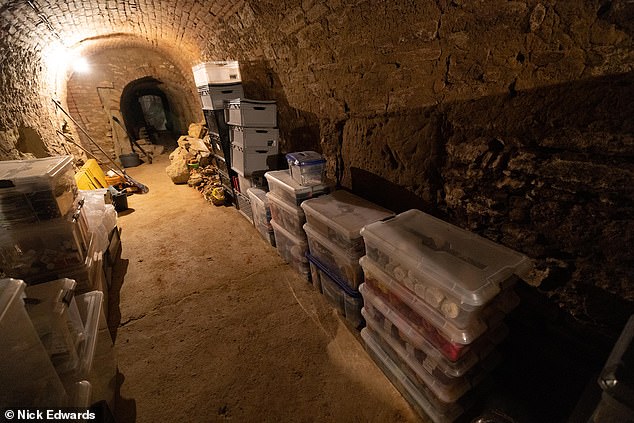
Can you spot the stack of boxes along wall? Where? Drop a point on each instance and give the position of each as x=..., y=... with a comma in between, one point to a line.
x=56, y=240
x=218, y=82
x=435, y=298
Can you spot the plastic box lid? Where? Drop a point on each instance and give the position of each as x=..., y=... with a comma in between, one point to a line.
x=292, y=210
x=344, y=287
x=455, y=260
x=345, y=212
x=287, y=183
x=240, y=102
x=28, y=174
x=305, y=158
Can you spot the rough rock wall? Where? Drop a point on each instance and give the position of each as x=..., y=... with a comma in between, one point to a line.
x=92, y=95
x=511, y=119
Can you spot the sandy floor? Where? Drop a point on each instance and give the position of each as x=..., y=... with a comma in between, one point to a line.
x=214, y=326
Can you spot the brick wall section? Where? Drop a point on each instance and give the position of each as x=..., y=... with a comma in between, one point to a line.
x=510, y=118
x=111, y=70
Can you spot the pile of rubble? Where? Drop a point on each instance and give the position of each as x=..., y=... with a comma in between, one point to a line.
x=190, y=163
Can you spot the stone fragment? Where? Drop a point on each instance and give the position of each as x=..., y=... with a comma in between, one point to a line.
x=537, y=17
x=177, y=170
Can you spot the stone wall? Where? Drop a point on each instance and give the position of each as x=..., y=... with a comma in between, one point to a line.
x=94, y=95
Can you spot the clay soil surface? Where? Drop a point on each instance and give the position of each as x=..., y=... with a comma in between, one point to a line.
x=212, y=325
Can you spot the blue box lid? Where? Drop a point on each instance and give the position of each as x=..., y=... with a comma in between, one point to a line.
x=305, y=158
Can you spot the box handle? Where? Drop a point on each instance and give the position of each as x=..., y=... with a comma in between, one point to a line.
x=259, y=108
x=262, y=151
x=261, y=131
x=226, y=91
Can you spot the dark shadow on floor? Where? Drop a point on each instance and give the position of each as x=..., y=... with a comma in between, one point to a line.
x=120, y=268
x=125, y=408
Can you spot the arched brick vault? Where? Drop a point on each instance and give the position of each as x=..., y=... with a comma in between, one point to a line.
x=510, y=118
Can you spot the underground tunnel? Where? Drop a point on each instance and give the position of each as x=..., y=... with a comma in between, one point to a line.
x=511, y=120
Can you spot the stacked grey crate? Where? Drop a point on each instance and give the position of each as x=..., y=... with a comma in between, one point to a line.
x=254, y=139
x=335, y=244
x=287, y=217
x=435, y=297
x=217, y=82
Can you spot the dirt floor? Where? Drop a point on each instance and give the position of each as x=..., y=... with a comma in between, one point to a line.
x=212, y=325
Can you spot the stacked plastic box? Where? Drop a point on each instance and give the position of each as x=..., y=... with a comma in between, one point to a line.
x=218, y=82
x=261, y=213
x=288, y=218
x=435, y=297
x=335, y=244
x=48, y=339
x=47, y=227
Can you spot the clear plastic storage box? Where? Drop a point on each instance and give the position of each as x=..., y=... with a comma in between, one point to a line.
x=281, y=183
x=413, y=393
x=422, y=251
x=53, y=311
x=345, y=300
x=27, y=375
x=307, y=167
x=36, y=190
x=344, y=266
x=213, y=97
x=292, y=249
x=251, y=113
x=255, y=137
x=289, y=216
x=217, y=72
x=339, y=216
x=39, y=250
x=437, y=308
x=261, y=214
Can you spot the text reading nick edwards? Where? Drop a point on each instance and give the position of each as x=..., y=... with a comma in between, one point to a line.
x=48, y=414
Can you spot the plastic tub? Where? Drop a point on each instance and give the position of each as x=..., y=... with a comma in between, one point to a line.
x=292, y=249
x=290, y=217
x=422, y=251
x=247, y=160
x=468, y=321
x=48, y=247
x=255, y=137
x=213, y=97
x=216, y=72
x=307, y=167
x=345, y=300
x=27, y=375
x=36, y=190
x=445, y=386
x=418, y=333
x=130, y=160
x=53, y=311
x=339, y=216
x=251, y=113
x=411, y=391
x=261, y=214
x=281, y=183
x=344, y=266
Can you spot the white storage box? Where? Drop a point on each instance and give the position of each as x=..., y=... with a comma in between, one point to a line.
x=218, y=72
x=261, y=214
x=255, y=137
x=27, y=376
x=288, y=216
x=307, y=167
x=340, y=216
x=251, y=113
x=292, y=249
x=422, y=251
x=245, y=161
x=36, y=190
x=344, y=266
x=281, y=183
x=213, y=97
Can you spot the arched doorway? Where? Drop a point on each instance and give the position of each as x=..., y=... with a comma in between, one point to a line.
x=147, y=113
